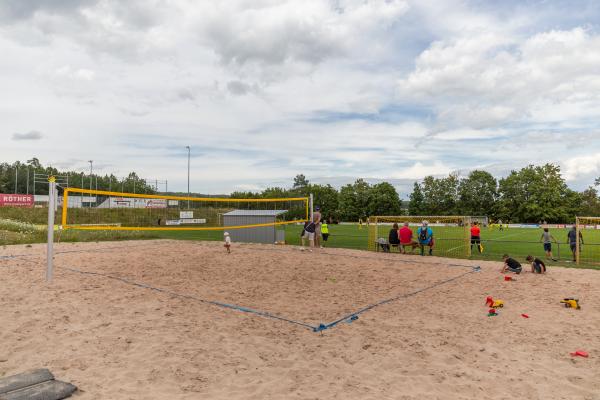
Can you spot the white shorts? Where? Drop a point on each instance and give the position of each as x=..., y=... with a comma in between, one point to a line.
x=309, y=235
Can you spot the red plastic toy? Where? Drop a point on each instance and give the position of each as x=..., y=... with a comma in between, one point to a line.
x=580, y=353
x=508, y=278
x=524, y=315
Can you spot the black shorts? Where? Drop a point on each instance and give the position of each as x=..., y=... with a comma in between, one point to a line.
x=573, y=246
x=547, y=246
x=475, y=239
x=325, y=236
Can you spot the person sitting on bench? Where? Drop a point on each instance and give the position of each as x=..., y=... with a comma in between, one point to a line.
x=393, y=239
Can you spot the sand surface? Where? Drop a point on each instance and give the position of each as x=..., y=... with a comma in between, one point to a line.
x=118, y=341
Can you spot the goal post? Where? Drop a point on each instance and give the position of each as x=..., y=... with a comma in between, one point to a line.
x=587, y=245
x=450, y=233
x=117, y=211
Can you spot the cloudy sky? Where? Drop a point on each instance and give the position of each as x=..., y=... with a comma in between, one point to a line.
x=265, y=89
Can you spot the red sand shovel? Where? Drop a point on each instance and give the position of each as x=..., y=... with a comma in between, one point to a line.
x=580, y=353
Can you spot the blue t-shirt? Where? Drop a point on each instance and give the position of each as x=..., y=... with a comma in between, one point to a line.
x=428, y=234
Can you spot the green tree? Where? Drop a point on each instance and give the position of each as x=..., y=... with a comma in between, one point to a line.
x=300, y=181
x=590, y=203
x=477, y=194
x=327, y=197
x=440, y=195
x=384, y=200
x=354, y=201
x=416, y=204
x=536, y=193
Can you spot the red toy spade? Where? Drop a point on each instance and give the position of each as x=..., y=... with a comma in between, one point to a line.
x=580, y=353
x=524, y=315
x=489, y=301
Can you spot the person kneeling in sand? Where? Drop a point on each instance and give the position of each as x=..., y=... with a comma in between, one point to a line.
x=537, y=265
x=227, y=242
x=510, y=264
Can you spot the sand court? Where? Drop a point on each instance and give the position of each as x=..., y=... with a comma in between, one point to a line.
x=162, y=330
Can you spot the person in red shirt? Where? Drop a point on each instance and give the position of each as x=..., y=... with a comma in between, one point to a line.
x=405, y=235
x=475, y=236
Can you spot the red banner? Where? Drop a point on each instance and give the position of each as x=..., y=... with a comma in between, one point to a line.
x=16, y=200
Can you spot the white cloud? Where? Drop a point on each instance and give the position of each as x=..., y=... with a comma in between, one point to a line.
x=576, y=167
x=488, y=79
x=266, y=89
x=31, y=135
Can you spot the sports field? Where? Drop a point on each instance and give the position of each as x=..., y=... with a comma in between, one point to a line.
x=183, y=320
x=517, y=242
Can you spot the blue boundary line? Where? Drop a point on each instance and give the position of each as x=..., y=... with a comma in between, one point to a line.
x=354, y=316
x=320, y=328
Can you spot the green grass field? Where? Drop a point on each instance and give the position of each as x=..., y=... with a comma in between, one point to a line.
x=517, y=242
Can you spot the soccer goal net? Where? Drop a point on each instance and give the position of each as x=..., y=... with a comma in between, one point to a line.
x=445, y=236
x=102, y=210
x=586, y=249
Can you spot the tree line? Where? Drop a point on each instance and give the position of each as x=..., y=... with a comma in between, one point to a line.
x=531, y=194
x=20, y=176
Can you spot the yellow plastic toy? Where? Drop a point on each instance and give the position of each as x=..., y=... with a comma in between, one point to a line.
x=571, y=303
x=494, y=303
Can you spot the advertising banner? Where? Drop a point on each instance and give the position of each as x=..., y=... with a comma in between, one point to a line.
x=16, y=200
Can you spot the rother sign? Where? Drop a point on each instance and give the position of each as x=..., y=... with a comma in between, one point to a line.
x=16, y=200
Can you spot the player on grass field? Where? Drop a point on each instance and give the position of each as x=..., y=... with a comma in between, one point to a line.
x=476, y=236
x=425, y=236
x=547, y=238
x=572, y=240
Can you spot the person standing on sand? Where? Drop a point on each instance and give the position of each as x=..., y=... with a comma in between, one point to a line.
x=317, y=222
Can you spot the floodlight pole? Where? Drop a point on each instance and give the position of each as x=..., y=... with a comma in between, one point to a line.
x=91, y=171
x=188, y=176
x=51, y=210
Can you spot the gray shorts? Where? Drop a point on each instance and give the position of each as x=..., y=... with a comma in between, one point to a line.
x=309, y=235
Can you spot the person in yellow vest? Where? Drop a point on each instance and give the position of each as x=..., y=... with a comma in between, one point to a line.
x=324, y=230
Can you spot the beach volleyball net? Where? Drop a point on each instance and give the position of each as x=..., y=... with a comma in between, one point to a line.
x=85, y=209
x=587, y=247
x=451, y=235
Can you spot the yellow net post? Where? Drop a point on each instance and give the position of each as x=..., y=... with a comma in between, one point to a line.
x=587, y=245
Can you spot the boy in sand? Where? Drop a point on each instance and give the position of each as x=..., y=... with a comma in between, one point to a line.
x=227, y=242
x=510, y=264
x=537, y=265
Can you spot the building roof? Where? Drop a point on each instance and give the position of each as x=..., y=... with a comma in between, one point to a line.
x=262, y=213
